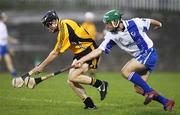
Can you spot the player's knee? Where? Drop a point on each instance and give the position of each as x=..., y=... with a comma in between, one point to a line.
x=69, y=82
x=125, y=73
x=72, y=78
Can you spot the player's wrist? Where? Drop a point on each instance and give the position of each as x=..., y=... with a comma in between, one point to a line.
x=26, y=75
x=81, y=61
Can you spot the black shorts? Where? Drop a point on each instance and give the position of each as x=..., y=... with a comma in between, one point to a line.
x=92, y=63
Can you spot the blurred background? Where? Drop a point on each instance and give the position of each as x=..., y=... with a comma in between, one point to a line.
x=35, y=42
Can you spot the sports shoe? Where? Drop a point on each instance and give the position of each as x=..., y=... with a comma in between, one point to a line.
x=90, y=108
x=89, y=103
x=169, y=105
x=103, y=89
x=149, y=96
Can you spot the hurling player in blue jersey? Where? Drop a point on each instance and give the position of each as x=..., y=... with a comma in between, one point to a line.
x=130, y=36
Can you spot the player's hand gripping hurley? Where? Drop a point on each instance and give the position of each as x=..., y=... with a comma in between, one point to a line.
x=32, y=82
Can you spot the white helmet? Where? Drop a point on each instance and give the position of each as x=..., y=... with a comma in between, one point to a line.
x=89, y=16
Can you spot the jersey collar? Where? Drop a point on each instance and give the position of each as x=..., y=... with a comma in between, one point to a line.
x=125, y=25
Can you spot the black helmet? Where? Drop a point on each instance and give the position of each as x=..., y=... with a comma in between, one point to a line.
x=48, y=17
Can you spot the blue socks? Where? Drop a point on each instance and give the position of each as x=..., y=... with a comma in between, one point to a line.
x=137, y=80
x=161, y=99
x=14, y=73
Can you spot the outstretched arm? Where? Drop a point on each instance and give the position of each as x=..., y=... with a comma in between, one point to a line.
x=95, y=53
x=53, y=54
x=12, y=40
x=156, y=24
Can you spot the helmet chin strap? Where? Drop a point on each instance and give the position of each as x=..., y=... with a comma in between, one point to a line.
x=115, y=24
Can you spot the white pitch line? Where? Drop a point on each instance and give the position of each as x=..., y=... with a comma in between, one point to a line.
x=53, y=101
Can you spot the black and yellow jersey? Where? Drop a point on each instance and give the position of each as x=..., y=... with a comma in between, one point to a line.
x=73, y=36
x=91, y=28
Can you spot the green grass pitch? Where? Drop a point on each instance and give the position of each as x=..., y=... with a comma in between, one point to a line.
x=55, y=97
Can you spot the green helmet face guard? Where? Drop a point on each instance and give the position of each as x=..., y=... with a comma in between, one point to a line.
x=112, y=17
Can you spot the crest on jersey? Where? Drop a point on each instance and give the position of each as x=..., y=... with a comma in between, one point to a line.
x=133, y=34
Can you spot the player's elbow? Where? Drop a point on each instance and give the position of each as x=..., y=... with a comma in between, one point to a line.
x=156, y=22
x=54, y=53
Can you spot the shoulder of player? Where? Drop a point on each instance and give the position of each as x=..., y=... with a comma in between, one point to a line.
x=108, y=35
x=67, y=21
x=64, y=22
x=136, y=20
x=2, y=24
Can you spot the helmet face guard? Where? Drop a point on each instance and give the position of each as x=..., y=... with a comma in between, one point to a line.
x=112, y=17
x=49, y=17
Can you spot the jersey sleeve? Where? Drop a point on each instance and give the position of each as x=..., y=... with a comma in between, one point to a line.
x=62, y=43
x=143, y=23
x=146, y=23
x=107, y=45
x=58, y=45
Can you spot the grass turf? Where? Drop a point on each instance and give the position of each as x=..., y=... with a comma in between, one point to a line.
x=55, y=97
